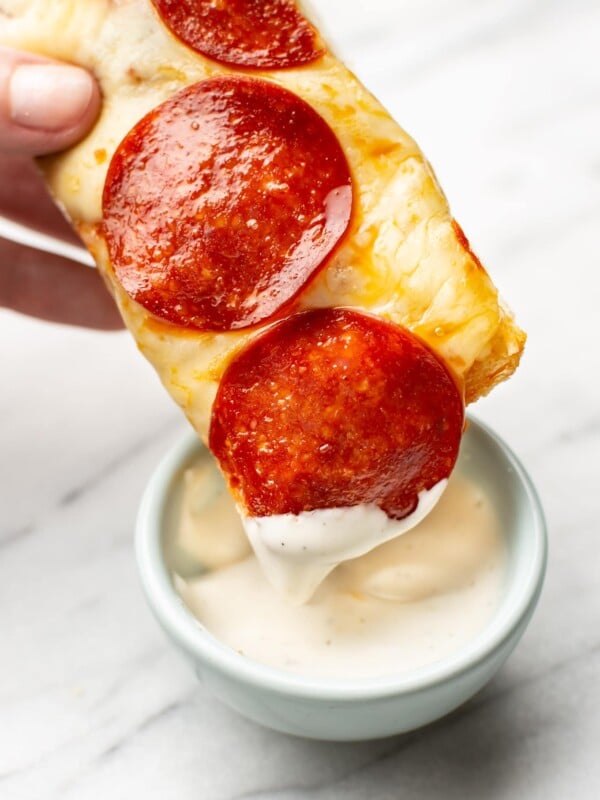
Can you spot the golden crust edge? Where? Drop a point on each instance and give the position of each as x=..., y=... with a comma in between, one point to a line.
x=504, y=355
x=500, y=360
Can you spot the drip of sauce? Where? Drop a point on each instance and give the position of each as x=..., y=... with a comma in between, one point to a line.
x=404, y=604
x=298, y=551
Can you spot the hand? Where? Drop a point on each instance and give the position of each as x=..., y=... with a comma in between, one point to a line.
x=45, y=106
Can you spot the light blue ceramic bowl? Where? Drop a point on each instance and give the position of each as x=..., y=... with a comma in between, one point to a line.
x=365, y=709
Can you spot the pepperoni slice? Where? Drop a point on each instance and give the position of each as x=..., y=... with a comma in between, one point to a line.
x=222, y=203
x=333, y=408
x=259, y=34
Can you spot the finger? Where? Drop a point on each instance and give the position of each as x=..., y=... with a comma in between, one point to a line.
x=25, y=199
x=54, y=289
x=44, y=105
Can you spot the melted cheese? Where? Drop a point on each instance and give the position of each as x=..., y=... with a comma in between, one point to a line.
x=298, y=551
x=402, y=258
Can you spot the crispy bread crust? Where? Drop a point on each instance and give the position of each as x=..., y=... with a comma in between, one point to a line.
x=404, y=258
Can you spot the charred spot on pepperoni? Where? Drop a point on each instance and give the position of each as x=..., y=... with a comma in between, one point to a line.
x=221, y=204
x=256, y=34
x=334, y=408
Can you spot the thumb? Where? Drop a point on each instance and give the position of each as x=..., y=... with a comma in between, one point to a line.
x=44, y=105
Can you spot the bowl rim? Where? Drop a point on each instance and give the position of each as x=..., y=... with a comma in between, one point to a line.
x=180, y=624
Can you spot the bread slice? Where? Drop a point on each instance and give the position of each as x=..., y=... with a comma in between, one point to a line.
x=404, y=257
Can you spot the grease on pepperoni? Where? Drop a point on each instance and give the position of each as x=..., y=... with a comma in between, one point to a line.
x=221, y=204
x=334, y=408
x=257, y=34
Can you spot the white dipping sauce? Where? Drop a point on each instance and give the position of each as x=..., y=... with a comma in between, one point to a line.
x=405, y=604
x=298, y=551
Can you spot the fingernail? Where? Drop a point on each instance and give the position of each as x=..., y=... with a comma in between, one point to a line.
x=49, y=97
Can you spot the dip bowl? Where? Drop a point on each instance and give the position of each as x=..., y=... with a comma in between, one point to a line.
x=345, y=710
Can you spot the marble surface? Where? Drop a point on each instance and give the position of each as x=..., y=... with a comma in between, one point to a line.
x=94, y=703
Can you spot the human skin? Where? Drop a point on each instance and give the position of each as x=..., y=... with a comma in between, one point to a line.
x=44, y=107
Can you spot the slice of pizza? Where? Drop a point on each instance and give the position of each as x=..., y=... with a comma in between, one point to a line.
x=283, y=254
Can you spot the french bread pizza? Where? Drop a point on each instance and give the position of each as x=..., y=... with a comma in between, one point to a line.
x=277, y=245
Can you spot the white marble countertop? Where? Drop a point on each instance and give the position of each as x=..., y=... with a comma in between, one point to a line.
x=94, y=703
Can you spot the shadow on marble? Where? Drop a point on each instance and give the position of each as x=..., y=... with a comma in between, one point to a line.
x=474, y=752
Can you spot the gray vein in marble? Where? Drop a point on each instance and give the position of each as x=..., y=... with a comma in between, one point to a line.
x=94, y=703
x=495, y=693
x=116, y=746
x=590, y=428
x=118, y=461
x=10, y=537
x=397, y=744
x=470, y=763
x=130, y=677
x=152, y=719
x=94, y=481
x=481, y=703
